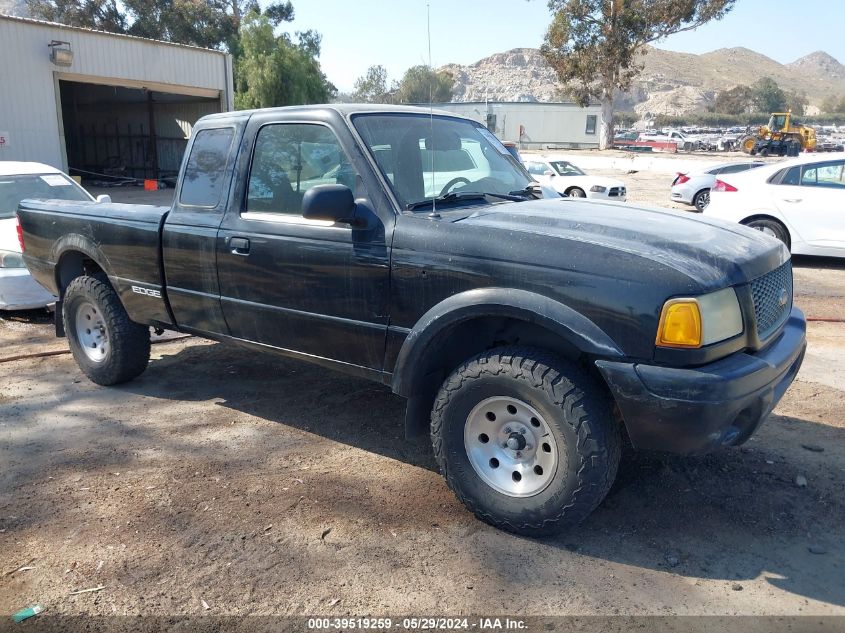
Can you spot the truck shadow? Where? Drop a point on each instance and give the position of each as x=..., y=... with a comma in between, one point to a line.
x=735, y=515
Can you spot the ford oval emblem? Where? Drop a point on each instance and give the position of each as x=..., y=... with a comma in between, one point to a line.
x=783, y=297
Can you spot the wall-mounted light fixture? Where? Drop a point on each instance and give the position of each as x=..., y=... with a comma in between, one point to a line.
x=60, y=53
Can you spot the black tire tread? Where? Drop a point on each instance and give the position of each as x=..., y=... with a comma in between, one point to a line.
x=570, y=388
x=129, y=341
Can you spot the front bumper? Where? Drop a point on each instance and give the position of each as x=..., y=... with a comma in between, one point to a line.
x=19, y=291
x=696, y=410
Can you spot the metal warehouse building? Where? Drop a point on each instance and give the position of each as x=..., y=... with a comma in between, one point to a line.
x=535, y=125
x=91, y=102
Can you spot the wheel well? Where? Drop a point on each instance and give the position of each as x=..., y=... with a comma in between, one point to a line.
x=455, y=344
x=763, y=216
x=73, y=264
x=568, y=189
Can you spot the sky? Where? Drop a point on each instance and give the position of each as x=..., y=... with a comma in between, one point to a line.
x=357, y=35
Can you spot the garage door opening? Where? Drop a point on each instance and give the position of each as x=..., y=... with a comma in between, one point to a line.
x=118, y=135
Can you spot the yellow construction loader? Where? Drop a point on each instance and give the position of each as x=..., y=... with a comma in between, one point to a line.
x=782, y=136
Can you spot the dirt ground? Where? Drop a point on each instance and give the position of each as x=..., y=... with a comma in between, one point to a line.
x=257, y=486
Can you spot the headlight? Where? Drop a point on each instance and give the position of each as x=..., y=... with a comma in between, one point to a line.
x=8, y=259
x=698, y=321
x=598, y=189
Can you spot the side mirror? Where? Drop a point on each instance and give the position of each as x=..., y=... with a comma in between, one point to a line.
x=104, y=198
x=329, y=202
x=548, y=173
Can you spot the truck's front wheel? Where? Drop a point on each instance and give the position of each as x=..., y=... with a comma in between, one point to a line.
x=108, y=347
x=526, y=441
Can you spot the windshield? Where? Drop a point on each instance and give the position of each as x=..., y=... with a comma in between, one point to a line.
x=564, y=168
x=777, y=122
x=13, y=189
x=425, y=157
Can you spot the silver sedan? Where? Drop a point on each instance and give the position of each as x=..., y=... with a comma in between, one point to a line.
x=694, y=187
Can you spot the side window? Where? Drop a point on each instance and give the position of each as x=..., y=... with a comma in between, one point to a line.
x=792, y=177
x=824, y=175
x=291, y=158
x=536, y=169
x=591, y=124
x=205, y=172
x=735, y=169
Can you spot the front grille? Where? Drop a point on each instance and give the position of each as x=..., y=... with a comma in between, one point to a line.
x=616, y=192
x=772, y=295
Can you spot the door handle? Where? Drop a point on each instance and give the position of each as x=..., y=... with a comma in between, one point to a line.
x=792, y=199
x=239, y=245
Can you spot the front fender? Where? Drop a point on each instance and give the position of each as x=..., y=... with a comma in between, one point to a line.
x=520, y=305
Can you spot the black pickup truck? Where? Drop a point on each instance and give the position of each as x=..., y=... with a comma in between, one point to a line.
x=529, y=334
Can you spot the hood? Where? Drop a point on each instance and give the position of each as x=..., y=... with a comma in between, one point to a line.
x=710, y=252
x=9, y=235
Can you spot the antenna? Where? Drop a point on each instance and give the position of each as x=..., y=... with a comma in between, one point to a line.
x=431, y=110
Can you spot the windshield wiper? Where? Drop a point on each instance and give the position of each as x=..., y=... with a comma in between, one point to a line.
x=460, y=196
x=533, y=189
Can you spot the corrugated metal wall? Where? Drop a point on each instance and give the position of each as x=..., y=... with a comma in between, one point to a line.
x=29, y=104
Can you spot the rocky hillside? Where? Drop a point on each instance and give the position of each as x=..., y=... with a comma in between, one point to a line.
x=671, y=83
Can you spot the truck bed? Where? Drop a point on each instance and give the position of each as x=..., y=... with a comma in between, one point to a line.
x=123, y=240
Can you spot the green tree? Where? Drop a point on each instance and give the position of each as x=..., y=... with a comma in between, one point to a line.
x=593, y=44
x=207, y=23
x=768, y=96
x=796, y=102
x=272, y=70
x=105, y=15
x=737, y=100
x=372, y=87
x=833, y=104
x=421, y=84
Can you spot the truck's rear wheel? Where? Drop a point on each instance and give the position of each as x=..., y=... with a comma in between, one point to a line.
x=526, y=441
x=108, y=347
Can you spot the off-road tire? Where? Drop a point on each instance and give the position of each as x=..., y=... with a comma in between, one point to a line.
x=580, y=415
x=766, y=225
x=701, y=200
x=129, y=342
x=576, y=192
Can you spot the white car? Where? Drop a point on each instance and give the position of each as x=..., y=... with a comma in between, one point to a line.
x=694, y=187
x=568, y=180
x=800, y=201
x=18, y=290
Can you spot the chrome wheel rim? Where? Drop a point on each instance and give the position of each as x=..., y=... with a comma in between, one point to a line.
x=91, y=332
x=511, y=446
x=767, y=230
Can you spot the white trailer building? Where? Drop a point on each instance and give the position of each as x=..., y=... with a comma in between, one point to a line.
x=535, y=125
x=91, y=102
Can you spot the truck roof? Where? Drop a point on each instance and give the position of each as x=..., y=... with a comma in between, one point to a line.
x=344, y=109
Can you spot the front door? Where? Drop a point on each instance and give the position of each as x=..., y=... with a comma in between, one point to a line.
x=308, y=286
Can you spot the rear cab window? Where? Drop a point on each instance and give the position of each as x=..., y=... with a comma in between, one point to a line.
x=205, y=172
